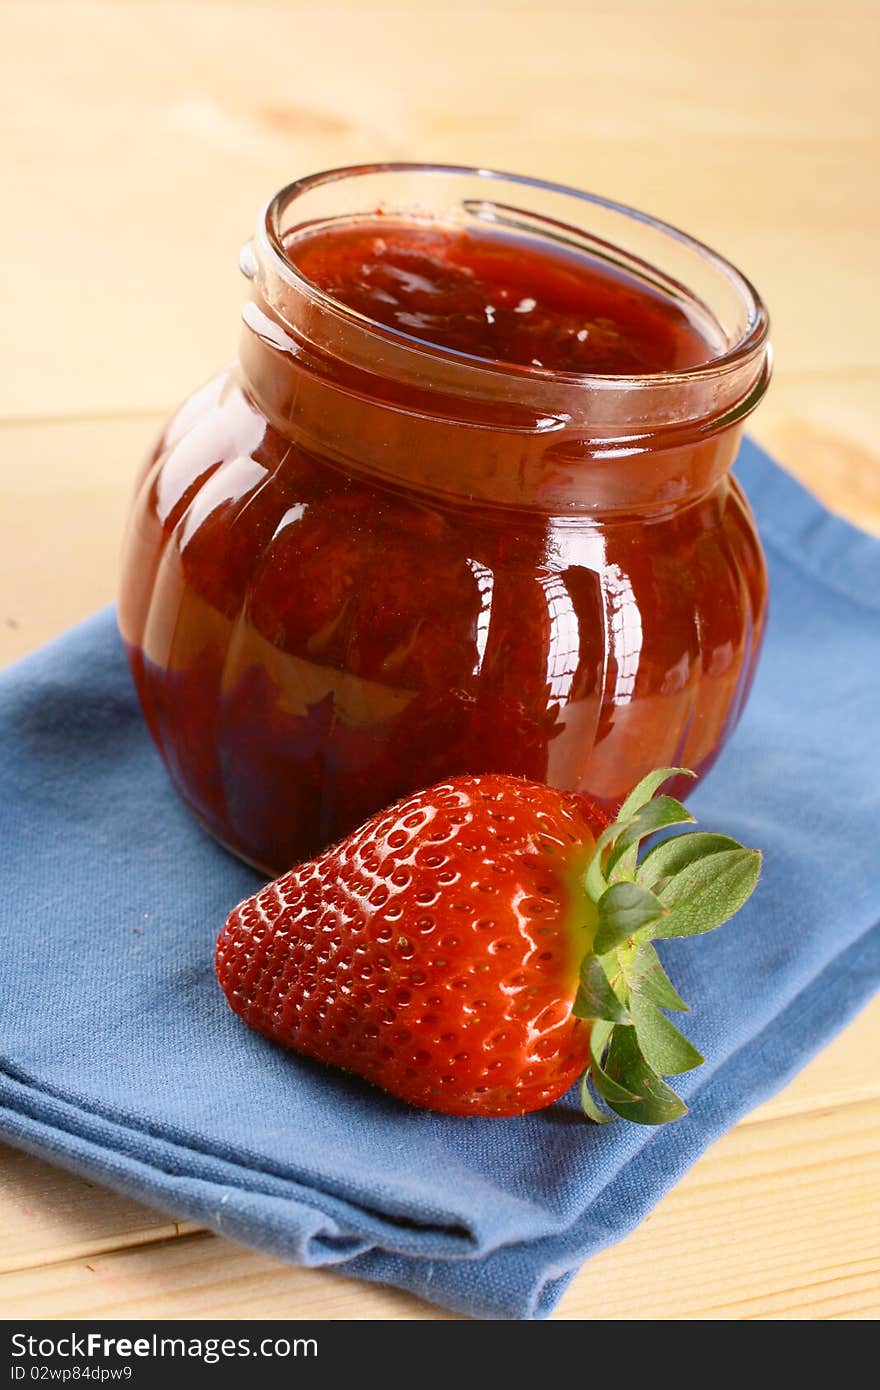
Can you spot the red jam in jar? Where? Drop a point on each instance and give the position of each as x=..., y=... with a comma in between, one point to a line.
x=463, y=504
x=500, y=298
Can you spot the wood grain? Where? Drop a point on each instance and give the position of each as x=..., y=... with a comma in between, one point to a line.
x=65, y=488
x=138, y=172
x=139, y=138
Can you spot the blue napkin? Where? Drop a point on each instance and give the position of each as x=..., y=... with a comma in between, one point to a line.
x=120, y=1059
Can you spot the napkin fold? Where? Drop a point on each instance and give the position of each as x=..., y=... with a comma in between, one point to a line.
x=120, y=1060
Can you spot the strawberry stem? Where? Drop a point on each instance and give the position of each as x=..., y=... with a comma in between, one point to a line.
x=684, y=886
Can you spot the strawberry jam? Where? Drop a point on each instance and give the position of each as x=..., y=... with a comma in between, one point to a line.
x=463, y=505
x=499, y=298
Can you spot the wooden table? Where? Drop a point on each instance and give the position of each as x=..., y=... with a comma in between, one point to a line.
x=139, y=139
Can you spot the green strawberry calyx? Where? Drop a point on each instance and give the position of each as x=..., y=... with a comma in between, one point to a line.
x=684, y=886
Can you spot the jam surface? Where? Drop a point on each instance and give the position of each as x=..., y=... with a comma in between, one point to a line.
x=311, y=641
x=498, y=297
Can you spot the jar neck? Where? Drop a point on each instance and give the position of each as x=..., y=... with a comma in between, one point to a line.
x=378, y=402
x=503, y=456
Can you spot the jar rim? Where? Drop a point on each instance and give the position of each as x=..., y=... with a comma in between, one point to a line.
x=752, y=340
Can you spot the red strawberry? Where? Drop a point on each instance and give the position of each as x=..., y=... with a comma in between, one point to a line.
x=480, y=945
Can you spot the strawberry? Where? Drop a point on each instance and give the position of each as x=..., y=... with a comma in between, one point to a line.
x=480, y=945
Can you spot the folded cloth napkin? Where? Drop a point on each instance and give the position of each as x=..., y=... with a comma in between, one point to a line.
x=120, y=1059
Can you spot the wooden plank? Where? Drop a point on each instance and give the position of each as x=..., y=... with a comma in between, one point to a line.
x=65, y=488
x=780, y=1219
x=47, y=1215
x=136, y=181
x=197, y=1277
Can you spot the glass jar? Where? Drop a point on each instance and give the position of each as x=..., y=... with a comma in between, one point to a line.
x=358, y=563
